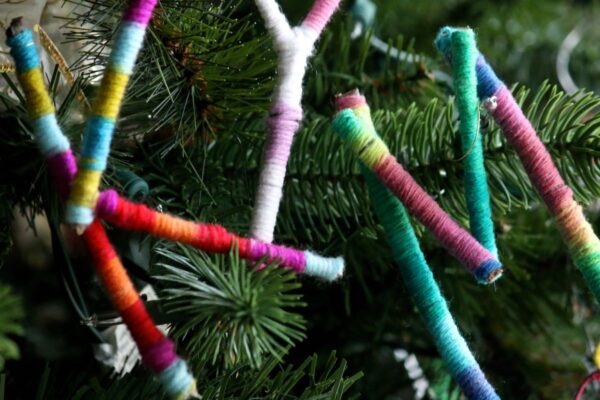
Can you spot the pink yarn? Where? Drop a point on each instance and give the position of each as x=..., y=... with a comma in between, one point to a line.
x=536, y=160
x=320, y=14
x=107, y=203
x=63, y=168
x=462, y=245
x=284, y=120
x=160, y=355
x=139, y=11
x=295, y=260
x=350, y=101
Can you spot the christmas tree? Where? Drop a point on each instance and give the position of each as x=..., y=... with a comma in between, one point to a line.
x=189, y=141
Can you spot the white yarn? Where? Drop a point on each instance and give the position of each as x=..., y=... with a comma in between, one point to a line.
x=294, y=46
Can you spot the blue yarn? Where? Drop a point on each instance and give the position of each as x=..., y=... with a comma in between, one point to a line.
x=129, y=41
x=82, y=215
x=95, y=147
x=425, y=292
x=176, y=379
x=328, y=269
x=475, y=386
x=482, y=272
x=488, y=82
x=442, y=41
x=24, y=51
x=48, y=135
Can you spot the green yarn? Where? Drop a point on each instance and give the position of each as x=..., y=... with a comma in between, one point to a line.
x=464, y=54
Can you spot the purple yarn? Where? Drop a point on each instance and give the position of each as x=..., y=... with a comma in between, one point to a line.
x=294, y=259
x=160, y=356
x=63, y=168
x=107, y=203
x=283, y=122
x=139, y=11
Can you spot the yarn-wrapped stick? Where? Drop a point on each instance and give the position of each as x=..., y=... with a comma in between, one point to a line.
x=157, y=351
x=294, y=47
x=105, y=109
x=582, y=242
x=464, y=54
x=375, y=155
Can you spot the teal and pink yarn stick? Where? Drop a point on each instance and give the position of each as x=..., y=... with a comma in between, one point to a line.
x=376, y=156
x=425, y=292
x=157, y=350
x=294, y=47
x=464, y=55
x=577, y=232
x=105, y=109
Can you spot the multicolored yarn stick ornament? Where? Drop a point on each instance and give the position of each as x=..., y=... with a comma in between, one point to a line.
x=419, y=280
x=294, y=46
x=375, y=155
x=577, y=232
x=105, y=108
x=464, y=54
x=212, y=238
x=157, y=350
x=425, y=292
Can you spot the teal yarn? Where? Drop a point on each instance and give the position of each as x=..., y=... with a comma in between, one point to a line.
x=464, y=55
x=425, y=292
x=364, y=11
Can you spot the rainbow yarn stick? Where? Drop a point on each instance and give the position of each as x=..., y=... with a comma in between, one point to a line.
x=577, y=232
x=464, y=54
x=105, y=108
x=294, y=46
x=425, y=292
x=212, y=238
x=375, y=155
x=157, y=351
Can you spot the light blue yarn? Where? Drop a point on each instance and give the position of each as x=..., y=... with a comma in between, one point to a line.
x=24, y=51
x=96, y=143
x=329, y=269
x=176, y=379
x=83, y=215
x=49, y=136
x=128, y=43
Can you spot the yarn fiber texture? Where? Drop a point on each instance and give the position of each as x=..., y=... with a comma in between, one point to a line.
x=578, y=234
x=375, y=155
x=294, y=46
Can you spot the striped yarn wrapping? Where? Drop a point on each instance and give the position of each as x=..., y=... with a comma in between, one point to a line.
x=582, y=242
x=294, y=46
x=101, y=122
x=157, y=351
x=212, y=238
x=375, y=155
x=464, y=54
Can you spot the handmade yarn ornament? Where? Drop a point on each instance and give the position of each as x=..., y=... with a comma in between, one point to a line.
x=582, y=242
x=464, y=56
x=105, y=109
x=418, y=278
x=593, y=377
x=376, y=156
x=157, y=350
x=294, y=46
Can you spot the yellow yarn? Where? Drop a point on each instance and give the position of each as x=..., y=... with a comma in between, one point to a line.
x=111, y=92
x=84, y=191
x=38, y=101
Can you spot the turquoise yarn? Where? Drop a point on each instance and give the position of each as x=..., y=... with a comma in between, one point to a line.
x=464, y=55
x=425, y=292
x=176, y=379
x=364, y=11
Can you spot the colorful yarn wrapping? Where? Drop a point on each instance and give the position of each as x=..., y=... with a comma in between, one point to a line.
x=101, y=122
x=577, y=232
x=375, y=155
x=157, y=351
x=294, y=46
x=425, y=292
x=464, y=54
x=212, y=238
x=419, y=280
